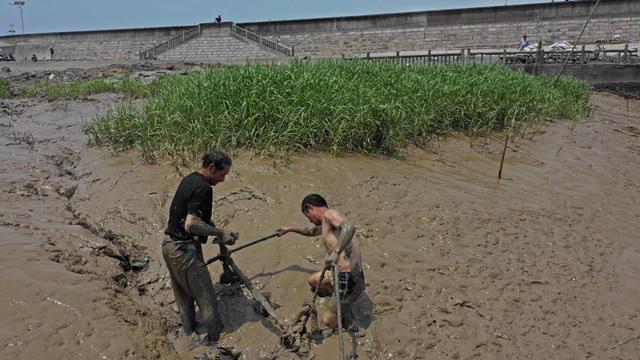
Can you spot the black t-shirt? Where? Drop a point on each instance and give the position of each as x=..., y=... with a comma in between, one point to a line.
x=194, y=196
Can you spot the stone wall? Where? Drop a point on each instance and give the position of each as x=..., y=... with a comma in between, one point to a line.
x=122, y=44
x=475, y=28
x=490, y=27
x=26, y=51
x=218, y=43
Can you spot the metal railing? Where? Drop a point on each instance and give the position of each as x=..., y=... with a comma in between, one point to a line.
x=289, y=51
x=583, y=56
x=153, y=52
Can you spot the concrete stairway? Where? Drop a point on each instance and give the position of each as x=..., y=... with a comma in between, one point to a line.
x=217, y=42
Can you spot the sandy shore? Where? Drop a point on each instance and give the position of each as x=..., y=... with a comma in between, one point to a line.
x=543, y=264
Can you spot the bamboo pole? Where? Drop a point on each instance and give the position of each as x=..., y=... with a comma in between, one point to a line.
x=566, y=60
x=504, y=150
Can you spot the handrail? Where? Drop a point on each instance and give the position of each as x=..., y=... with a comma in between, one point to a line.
x=289, y=51
x=153, y=52
x=584, y=56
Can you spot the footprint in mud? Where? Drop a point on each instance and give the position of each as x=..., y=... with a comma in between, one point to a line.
x=198, y=347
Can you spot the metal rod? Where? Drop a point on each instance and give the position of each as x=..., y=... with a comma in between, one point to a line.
x=222, y=256
x=336, y=291
x=256, y=294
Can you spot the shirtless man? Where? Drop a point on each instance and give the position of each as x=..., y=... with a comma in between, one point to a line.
x=337, y=236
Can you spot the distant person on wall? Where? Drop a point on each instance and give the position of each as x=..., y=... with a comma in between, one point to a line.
x=51, y=52
x=34, y=58
x=218, y=18
x=523, y=43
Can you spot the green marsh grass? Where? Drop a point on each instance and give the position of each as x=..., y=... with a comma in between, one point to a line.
x=333, y=106
x=128, y=86
x=5, y=88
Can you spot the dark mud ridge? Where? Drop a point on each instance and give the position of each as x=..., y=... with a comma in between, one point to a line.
x=628, y=90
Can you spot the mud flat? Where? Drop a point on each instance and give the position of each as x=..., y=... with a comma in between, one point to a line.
x=544, y=263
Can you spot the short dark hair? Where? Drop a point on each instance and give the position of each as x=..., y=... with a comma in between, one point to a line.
x=314, y=200
x=218, y=158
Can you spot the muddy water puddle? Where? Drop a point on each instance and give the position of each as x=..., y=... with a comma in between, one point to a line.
x=459, y=264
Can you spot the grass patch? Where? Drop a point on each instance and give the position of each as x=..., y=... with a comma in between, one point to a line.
x=333, y=106
x=128, y=86
x=5, y=88
x=38, y=88
x=77, y=88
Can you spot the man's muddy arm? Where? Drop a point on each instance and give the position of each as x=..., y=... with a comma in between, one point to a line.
x=347, y=231
x=194, y=225
x=311, y=230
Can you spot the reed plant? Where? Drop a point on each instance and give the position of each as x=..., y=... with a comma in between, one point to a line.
x=334, y=106
x=5, y=88
x=36, y=88
x=56, y=91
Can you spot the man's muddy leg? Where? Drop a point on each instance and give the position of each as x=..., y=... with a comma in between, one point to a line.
x=202, y=290
x=326, y=288
x=329, y=319
x=186, y=307
x=179, y=283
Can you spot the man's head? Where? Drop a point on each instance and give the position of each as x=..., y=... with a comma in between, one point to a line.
x=215, y=166
x=524, y=36
x=313, y=207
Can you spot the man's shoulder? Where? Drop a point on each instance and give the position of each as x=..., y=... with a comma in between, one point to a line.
x=332, y=212
x=195, y=178
x=334, y=216
x=194, y=182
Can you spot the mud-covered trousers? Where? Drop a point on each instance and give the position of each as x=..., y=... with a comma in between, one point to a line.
x=191, y=282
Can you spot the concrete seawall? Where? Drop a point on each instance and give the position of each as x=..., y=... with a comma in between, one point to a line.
x=487, y=27
x=121, y=44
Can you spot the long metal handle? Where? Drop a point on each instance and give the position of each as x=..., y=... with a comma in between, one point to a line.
x=220, y=257
x=336, y=279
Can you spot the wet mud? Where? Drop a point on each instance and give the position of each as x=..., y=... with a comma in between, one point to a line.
x=459, y=265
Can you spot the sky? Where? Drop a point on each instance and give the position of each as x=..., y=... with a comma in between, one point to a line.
x=74, y=15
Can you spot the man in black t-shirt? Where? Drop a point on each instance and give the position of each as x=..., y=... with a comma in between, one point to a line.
x=188, y=227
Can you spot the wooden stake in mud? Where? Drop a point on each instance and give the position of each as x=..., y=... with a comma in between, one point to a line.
x=504, y=150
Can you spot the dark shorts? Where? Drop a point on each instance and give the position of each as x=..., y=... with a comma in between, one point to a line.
x=350, y=287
